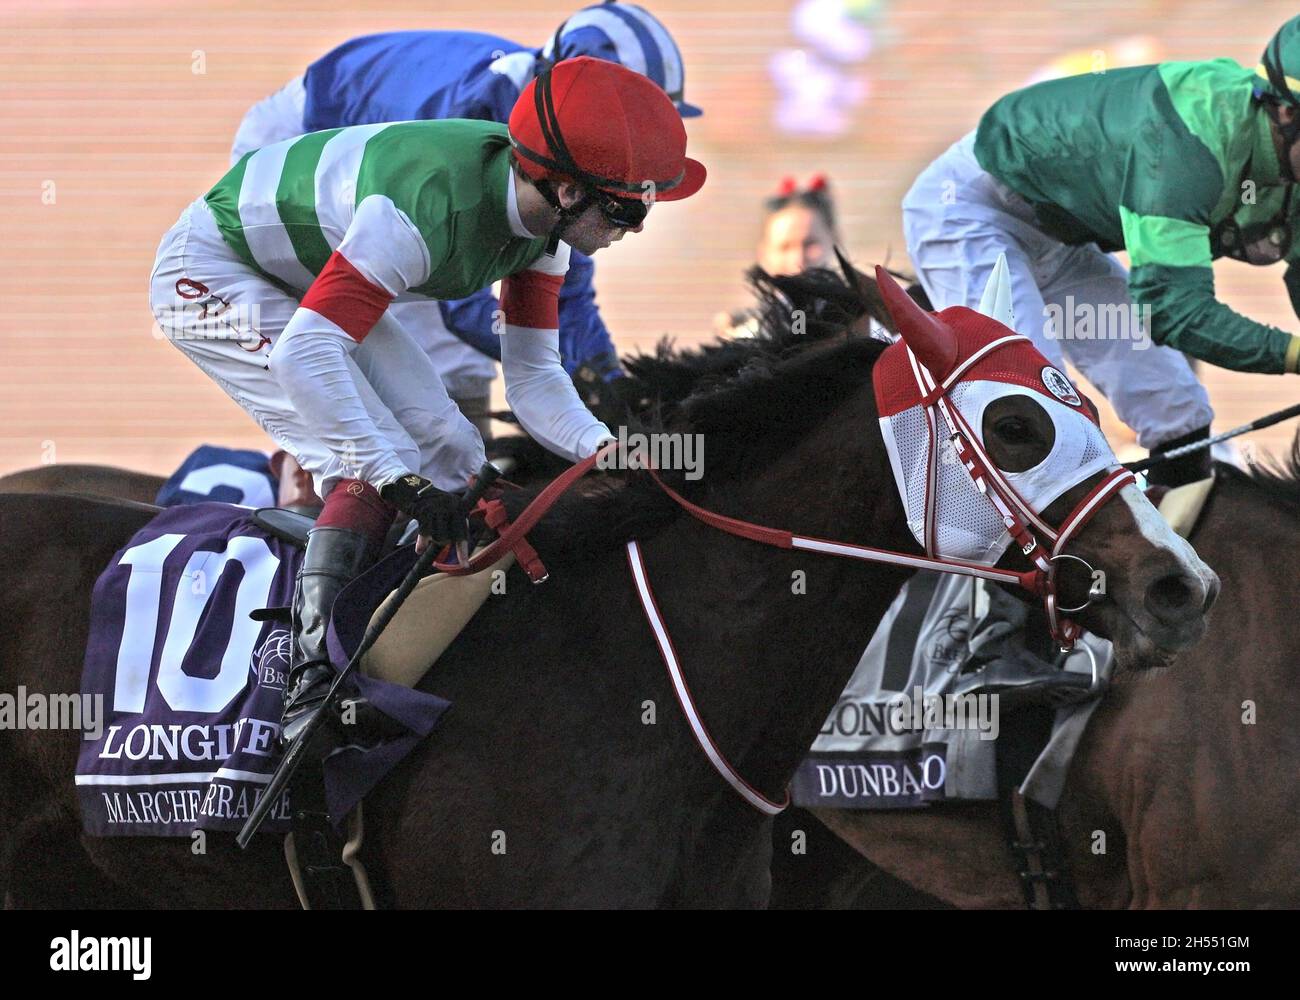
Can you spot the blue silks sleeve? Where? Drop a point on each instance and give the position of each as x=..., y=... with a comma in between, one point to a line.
x=229, y=475
x=473, y=319
x=584, y=340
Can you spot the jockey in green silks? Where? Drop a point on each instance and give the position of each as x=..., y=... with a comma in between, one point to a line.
x=1177, y=163
x=278, y=285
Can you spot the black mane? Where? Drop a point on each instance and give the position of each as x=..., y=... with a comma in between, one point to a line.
x=766, y=407
x=754, y=398
x=1278, y=478
x=792, y=312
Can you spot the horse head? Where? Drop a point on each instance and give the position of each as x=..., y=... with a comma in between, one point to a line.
x=980, y=426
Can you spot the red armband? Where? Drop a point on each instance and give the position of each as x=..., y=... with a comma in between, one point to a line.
x=346, y=297
x=532, y=299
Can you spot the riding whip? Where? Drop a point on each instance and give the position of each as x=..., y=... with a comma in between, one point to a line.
x=1187, y=449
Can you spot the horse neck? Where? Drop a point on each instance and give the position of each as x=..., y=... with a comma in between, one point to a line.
x=1239, y=526
x=769, y=637
x=1249, y=651
x=1197, y=707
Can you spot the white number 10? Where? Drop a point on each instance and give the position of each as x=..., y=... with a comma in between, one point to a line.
x=139, y=631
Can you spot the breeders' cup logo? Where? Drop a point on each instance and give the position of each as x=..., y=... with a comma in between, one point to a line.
x=950, y=639
x=270, y=662
x=1059, y=386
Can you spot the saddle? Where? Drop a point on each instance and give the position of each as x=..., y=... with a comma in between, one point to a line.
x=428, y=622
x=1181, y=506
x=326, y=866
x=285, y=523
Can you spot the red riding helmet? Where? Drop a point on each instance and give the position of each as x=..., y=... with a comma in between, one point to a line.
x=606, y=126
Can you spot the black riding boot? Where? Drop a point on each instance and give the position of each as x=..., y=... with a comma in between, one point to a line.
x=334, y=557
x=1186, y=469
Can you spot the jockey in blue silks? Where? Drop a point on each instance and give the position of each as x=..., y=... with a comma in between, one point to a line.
x=408, y=75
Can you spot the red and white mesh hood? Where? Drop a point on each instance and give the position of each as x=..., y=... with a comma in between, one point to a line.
x=946, y=512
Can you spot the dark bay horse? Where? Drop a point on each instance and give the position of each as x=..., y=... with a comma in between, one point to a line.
x=1183, y=792
x=565, y=775
x=93, y=480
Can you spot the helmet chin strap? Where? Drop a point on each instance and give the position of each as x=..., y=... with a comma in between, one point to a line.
x=565, y=217
x=549, y=120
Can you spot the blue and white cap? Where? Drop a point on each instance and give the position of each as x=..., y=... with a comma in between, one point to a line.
x=630, y=36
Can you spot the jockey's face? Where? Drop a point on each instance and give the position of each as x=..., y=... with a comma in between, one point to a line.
x=1285, y=115
x=590, y=231
x=795, y=239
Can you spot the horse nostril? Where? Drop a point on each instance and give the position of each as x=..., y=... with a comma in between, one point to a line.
x=1175, y=597
x=1211, y=595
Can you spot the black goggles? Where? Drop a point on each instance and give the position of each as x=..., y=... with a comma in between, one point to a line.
x=626, y=213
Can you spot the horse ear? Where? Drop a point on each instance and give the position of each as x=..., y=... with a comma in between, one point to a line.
x=848, y=270
x=933, y=343
x=996, y=300
x=869, y=295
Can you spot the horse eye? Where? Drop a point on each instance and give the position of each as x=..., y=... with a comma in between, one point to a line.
x=1014, y=430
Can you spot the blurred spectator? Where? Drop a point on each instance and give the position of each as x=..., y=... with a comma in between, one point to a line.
x=799, y=229
x=798, y=233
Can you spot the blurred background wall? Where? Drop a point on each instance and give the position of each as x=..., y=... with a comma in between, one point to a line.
x=116, y=114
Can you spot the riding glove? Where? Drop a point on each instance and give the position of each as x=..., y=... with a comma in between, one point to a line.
x=440, y=515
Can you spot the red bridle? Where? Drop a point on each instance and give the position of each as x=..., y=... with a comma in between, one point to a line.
x=1025, y=525
x=1042, y=544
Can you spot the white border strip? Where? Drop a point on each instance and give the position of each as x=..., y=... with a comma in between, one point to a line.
x=702, y=736
x=201, y=777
